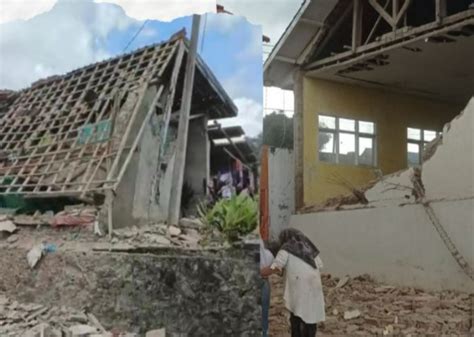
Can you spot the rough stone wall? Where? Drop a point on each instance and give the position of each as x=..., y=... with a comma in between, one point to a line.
x=190, y=294
x=281, y=190
x=393, y=238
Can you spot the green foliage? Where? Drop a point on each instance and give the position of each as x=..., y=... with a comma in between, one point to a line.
x=278, y=130
x=234, y=217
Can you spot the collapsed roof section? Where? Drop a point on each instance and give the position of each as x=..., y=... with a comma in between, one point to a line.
x=73, y=135
x=231, y=141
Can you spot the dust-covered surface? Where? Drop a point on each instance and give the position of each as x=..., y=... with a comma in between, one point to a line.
x=32, y=320
x=380, y=310
x=183, y=278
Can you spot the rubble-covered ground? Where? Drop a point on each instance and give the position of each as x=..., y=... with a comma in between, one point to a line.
x=380, y=310
x=77, y=227
x=35, y=320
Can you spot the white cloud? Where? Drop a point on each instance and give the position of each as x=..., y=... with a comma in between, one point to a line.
x=277, y=99
x=273, y=15
x=250, y=116
x=71, y=35
x=11, y=10
x=164, y=10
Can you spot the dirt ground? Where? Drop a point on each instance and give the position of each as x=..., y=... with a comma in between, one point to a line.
x=384, y=310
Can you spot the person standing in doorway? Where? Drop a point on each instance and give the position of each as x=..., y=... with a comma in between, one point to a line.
x=266, y=260
x=298, y=259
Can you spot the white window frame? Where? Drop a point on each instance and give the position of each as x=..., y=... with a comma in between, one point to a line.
x=356, y=134
x=421, y=144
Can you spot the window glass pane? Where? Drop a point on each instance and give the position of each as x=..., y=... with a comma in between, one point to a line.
x=414, y=134
x=413, y=154
x=366, y=127
x=346, y=148
x=429, y=135
x=346, y=124
x=327, y=122
x=366, y=151
x=327, y=147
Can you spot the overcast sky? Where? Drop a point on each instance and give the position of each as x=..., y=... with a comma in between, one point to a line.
x=39, y=38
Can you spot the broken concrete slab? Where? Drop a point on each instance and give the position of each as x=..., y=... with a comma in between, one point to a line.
x=174, y=231
x=7, y=226
x=448, y=173
x=34, y=255
x=191, y=223
x=156, y=333
x=82, y=330
x=351, y=314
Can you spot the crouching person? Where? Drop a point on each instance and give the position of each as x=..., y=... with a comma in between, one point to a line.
x=297, y=258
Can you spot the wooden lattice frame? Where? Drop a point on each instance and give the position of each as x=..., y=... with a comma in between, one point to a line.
x=40, y=150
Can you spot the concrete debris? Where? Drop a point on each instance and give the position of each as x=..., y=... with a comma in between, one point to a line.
x=12, y=238
x=351, y=314
x=35, y=320
x=156, y=333
x=381, y=310
x=34, y=255
x=342, y=282
x=174, y=231
x=191, y=223
x=7, y=226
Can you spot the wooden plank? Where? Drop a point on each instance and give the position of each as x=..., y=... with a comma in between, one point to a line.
x=357, y=24
x=298, y=140
x=441, y=10
x=138, y=137
x=180, y=157
x=402, y=11
x=382, y=12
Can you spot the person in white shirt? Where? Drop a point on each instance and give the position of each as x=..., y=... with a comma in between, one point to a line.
x=266, y=260
x=299, y=258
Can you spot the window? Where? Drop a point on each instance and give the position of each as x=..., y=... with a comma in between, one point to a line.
x=417, y=140
x=346, y=141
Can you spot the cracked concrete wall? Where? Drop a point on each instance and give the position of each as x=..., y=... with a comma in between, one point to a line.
x=392, y=238
x=281, y=189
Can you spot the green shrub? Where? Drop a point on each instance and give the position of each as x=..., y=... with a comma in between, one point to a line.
x=234, y=217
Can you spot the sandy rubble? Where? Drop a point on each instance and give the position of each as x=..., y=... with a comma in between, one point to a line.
x=380, y=310
x=35, y=320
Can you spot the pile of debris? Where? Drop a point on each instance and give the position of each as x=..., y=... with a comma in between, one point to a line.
x=35, y=320
x=360, y=306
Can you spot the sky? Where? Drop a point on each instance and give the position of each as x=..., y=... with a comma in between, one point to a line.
x=39, y=38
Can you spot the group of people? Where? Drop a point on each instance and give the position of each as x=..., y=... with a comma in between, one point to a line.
x=224, y=186
x=294, y=257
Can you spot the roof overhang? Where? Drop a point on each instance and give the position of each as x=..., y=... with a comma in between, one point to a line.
x=296, y=42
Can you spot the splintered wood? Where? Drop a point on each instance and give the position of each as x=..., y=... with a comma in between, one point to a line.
x=69, y=135
x=362, y=307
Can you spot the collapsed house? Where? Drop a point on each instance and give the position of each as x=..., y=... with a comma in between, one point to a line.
x=375, y=83
x=106, y=133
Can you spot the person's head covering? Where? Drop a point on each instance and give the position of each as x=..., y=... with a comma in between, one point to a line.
x=298, y=244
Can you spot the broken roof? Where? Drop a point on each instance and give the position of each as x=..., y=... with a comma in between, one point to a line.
x=387, y=51
x=231, y=141
x=69, y=135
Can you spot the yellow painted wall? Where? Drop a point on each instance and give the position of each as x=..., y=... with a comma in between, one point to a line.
x=392, y=113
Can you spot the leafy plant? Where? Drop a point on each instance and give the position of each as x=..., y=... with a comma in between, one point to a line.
x=234, y=217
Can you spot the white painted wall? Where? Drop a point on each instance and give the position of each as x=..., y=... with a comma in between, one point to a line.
x=392, y=238
x=281, y=189
x=397, y=245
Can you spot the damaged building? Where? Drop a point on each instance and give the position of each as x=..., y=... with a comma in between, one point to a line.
x=109, y=131
x=383, y=164
x=100, y=145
